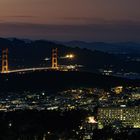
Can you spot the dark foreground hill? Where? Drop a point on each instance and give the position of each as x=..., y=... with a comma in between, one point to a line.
x=58, y=80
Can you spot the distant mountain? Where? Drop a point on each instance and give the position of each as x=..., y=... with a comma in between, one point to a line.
x=120, y=48
x=27, y=53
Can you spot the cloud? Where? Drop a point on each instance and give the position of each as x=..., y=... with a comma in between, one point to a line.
x=19, y=16
x=91, y=20
x=119, y=31
x=83, y=18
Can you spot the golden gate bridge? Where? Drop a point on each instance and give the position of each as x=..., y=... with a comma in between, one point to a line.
x=54, y=64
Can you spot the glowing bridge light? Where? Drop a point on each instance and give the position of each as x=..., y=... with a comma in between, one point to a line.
x=67, y=56
x=70, y=56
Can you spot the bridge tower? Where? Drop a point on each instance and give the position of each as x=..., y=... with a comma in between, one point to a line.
x=5, y=68
x=54, y=59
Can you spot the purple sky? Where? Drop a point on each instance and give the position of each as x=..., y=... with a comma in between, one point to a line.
x=89, y=20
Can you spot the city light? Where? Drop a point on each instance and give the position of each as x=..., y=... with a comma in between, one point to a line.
x=91, y=119
x=69, y=56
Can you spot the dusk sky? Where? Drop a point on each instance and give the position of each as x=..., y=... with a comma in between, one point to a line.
x=87, y=20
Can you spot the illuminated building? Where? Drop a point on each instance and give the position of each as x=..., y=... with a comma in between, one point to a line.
x=118, y=89
x=135, y=96
x=128, y=117
x=87, y=128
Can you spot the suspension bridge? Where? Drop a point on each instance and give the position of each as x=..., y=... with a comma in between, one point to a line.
x=54, y=66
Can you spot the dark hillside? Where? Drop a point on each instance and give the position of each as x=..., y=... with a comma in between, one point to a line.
x=58, y=80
